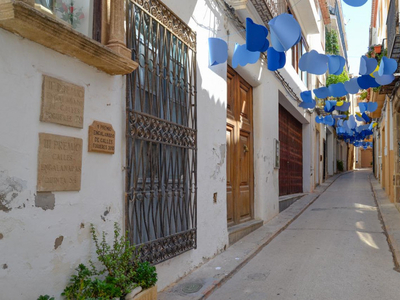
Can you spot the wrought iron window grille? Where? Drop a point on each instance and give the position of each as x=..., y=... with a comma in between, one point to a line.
x=161, y=178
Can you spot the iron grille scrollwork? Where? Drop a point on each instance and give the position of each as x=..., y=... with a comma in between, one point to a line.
x=161, y=182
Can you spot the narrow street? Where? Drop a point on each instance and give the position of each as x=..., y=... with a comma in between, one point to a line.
x=335, y=250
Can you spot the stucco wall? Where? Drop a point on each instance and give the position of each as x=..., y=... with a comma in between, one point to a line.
x=41, y=243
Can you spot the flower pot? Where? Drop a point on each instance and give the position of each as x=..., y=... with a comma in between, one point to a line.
x=378, y=49
x=149, y=294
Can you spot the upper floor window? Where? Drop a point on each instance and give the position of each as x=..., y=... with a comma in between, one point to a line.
x=297, y=52
x=78, y=14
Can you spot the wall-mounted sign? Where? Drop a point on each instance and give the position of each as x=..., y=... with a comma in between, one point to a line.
x=62, y=102
x=59, y=163
x=101, y=138
x=277, y=154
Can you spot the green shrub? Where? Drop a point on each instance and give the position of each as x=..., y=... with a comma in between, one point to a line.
x=340, y=165
x=146, y=275
x=45, y=297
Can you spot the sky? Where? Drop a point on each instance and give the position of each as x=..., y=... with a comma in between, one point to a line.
x=358, y=20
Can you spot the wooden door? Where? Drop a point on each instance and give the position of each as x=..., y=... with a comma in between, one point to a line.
x=291, y=160
x=239, y=142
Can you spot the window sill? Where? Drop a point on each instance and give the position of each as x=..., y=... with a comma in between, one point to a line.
x=26, y=21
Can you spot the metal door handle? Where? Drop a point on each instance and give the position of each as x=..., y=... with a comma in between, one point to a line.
x=245, y=148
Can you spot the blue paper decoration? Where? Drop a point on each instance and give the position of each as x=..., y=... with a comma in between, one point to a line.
x=218, y=51
x=366, y=81
x=359, y=118
x=368, y=106
x=352, y=86
x=328, y=120
x=241, y=56
x=314, y=63
x=285, y=32
x=308, y=101
x=322, y=92
x=366, y=118
x=351, y=122
x=363, y=106
x=388, y=66
x=336, y=64
x=339, y=116
x=344, y=107
x=319, y=119
x=276, y=60
x=384, y=79
x=330, y=105
x=256, y=37
x=367, y=65
x=337, y=90
x=355, y=3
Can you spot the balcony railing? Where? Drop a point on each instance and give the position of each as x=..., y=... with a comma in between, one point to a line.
x=392, y=24
x=268, y=9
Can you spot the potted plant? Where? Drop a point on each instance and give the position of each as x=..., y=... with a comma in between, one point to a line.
x=377, y=49
x=121, y=275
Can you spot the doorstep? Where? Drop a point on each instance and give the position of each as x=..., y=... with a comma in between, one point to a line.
x=202, y=281
x=241, y=230
x=287, y=200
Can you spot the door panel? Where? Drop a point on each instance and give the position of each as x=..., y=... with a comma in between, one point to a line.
x=291, y=160
x=229, y=174
x=240, y=149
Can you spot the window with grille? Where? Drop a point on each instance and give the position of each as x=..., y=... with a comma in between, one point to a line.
x=161, y=183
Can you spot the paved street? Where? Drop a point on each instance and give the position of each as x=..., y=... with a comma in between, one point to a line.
x=335, y=250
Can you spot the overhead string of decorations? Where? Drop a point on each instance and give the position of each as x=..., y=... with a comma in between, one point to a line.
x=285, y=32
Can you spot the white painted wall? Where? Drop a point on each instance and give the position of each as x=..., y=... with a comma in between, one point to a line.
x=29, y=233
x=30, y=264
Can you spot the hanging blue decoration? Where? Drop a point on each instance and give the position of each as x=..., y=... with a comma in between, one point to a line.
x=330, y=105
x=322, y=92
x=313, y=62
x=367, y=65
x=366, y=81
x=337, y=90
x=355, y=3
x=352, y=122
x=308, y=101
x=352, y=86
x=256, y=37
x=285, y=32
x=339, y=116
x=276, y=60
x=328, y=120
x=241, y=56
x=366, y=118
x=319, y=119
x=384, y=79
x=217, y=50
x=359, y=118
x=344, y=107
x=387, y=67
x=368, y=106
x=336, y=64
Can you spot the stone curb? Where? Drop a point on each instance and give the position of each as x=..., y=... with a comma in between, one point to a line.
x=211, y=275
x=390, y=218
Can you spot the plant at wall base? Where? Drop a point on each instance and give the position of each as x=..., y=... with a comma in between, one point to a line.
x=340, y=165
x=120, y=272
x=45, y=297
x=146, y=275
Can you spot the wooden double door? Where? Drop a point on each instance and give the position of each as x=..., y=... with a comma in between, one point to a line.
x=239, y=141
x=291, y=154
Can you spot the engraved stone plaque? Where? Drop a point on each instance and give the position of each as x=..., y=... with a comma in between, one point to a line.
x=59, y=163
x=62, y=102
x=101, y=137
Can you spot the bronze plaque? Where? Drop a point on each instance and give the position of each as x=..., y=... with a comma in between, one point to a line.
x=59, y=163
x=101, y=137
x=62, y=102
